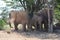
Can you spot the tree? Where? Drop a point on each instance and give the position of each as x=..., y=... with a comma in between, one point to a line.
x=50, y=23
x=29, y=5
x=57, y=10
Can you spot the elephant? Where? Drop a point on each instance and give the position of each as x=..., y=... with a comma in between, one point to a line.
x=44, y=13
x=18, y=17
x=35, y=20
x=41, y=17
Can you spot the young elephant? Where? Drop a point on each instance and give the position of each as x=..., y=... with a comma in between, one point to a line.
x=36, y=20
x=18, y=17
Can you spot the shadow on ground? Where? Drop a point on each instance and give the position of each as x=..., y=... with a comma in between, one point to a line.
x=38, y=34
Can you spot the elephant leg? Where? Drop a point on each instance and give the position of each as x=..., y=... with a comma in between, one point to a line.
x=41, y=26
x=24, y=27
x=29, y=27
x=16, y=28
x=46, y=26
x=10, y=25
x=37, y=26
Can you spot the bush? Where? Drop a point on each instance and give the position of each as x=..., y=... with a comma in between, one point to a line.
x=57, y=14
x=2, y=23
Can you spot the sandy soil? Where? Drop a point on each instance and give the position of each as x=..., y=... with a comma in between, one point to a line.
x=34, y=35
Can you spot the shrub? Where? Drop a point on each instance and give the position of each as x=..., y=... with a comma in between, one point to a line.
x=2, y=23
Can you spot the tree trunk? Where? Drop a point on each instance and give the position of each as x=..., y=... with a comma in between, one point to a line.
x=50, y=22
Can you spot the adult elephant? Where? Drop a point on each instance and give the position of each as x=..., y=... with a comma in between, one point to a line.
x=18, y=17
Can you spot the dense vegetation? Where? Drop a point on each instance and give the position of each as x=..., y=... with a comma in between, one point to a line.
x=30, y=5
x=57, y=10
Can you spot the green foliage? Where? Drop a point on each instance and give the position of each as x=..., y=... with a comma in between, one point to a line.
x=5, y=11
x=57, y=10
x=2, y=23
x=57, y=14
x=29, y=5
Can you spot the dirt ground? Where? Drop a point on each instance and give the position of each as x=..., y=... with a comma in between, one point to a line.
x=34, y=35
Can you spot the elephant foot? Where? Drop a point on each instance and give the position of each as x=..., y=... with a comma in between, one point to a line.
x=16, y=29
x=38, y=30
x=24, y=30
x=29, y=30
